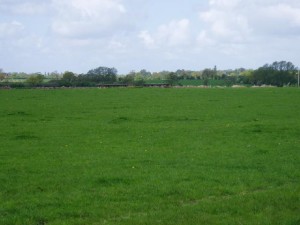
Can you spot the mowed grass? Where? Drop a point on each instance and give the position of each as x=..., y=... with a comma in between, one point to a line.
x=150, y=156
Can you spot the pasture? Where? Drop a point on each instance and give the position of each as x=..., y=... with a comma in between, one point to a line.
x=150, y=156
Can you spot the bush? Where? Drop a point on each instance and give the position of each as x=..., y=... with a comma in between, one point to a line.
x=17, y=85
x=35, y=80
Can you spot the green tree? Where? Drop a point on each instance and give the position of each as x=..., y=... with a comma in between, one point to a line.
x=68, y=79
x=35, y=80
x=2, y=75
x=246, y=77
x=69, y=76
x=215, y=72
x=139, y=79
x=102, y=74
x=172, y=78
x=145, y=74
x=278, y=74
x=54, y=75
x=208, y=74
x=129, y=78
x=196, y=75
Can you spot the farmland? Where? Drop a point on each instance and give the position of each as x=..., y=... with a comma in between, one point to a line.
x=150, y=156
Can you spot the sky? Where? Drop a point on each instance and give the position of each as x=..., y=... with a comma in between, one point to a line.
x=79, y=35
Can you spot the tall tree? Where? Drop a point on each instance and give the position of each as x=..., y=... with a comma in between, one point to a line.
x=2, y=75
x=35, y=80
x=172, y=78
x=208, y=74
x=69, y=76
x=102, y=74
x=278, y=74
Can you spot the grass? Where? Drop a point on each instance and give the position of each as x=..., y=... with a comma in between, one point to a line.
x=150, y=156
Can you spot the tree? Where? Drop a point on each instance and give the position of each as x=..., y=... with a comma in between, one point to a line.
x=278, y=74
x=139, y=79
x=196, y=75
x=145, y=74
x=54, y=75
x=208, y=74
x=172, y=78
x=2, y=75
x=246, y=77
x=68, y=79
x=102, y=74
x=215, y=74
x=181, y=74
x=35, y=80
x=69, y=76
x=129, y=78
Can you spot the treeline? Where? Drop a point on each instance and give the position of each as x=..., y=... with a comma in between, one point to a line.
x=277, y=74
x=94, y=77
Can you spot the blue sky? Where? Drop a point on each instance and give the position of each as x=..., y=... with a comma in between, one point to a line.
x=78, y=35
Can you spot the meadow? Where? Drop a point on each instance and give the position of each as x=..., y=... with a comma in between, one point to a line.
x=150, y=156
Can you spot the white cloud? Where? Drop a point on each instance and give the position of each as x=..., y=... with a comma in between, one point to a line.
x=250, y=30
x=30, y=7
x=11, y=29
x=81, y=34
x=147, y=39
x=203, y=40
x=88, y=19
x=279, y=19
x=175, y=33
x=284, y=12
x=228, y=25
x=237, y=20
x=224, y=4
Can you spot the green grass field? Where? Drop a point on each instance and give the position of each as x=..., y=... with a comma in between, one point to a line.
x=150, y=156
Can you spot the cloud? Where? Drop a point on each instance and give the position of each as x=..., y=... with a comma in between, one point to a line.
x=81, y=34
x=278, y=19
x=225, y=26
x=224, y=4
x=225, y=21
x=88, y=19
x=18, y=7
x=147, y=39
x=203, y=39
x=175, y=33
x=284, y=12
x=11, y=29
x=237, y=20
x=249, y=31
x=30, y=8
